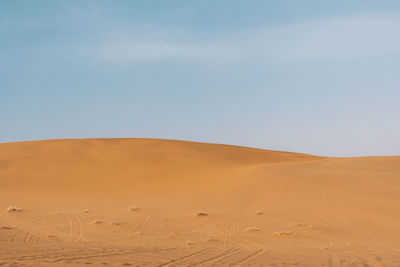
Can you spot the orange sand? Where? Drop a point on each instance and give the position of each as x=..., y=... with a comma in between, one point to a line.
x=146, y=202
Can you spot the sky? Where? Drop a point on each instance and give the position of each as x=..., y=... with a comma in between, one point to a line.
x=311, y=76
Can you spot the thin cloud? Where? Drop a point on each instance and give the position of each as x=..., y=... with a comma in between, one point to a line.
x=331, y=39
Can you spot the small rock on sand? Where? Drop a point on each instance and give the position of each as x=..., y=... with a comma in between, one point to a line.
x=133, y=208
x=13, y=209
x=283, y=233
x=201, y=214
x=252, y=229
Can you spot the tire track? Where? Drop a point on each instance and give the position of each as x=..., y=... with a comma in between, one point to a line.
x=329, y=217
x=229, y=233
x=75, y=234
x=44, y=212
x=217, y=258
x=250, y=257
x=194, y=254
x=80, y=237
x=101, y=254
x=243, y=200
x=29, y=232
x=24, y=228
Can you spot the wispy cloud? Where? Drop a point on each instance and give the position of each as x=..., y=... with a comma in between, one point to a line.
x=330, y=39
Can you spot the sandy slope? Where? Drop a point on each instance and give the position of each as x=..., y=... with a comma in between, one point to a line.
x=145, y=202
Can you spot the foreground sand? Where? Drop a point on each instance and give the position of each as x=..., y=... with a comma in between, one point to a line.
x=144, y=202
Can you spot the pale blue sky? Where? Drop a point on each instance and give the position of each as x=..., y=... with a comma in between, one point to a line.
x=320, y=77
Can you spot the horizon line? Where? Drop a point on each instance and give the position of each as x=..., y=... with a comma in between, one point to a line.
x=192, y=141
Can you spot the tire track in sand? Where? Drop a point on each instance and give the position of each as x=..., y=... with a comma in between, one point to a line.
x=250, y=257
x=199, y=252
x=217, y=258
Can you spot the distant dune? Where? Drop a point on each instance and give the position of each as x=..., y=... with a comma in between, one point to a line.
x=153, y=202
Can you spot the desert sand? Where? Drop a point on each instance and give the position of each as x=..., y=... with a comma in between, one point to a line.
x=151, y=202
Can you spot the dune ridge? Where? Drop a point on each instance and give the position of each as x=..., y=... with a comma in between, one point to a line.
x=157, y=202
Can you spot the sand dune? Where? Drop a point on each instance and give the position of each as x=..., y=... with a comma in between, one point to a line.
x=147, y=202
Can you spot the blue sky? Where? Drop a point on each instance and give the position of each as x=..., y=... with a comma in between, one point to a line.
x=318, y=77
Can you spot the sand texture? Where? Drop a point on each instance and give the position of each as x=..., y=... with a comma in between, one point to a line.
x=147, y=202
